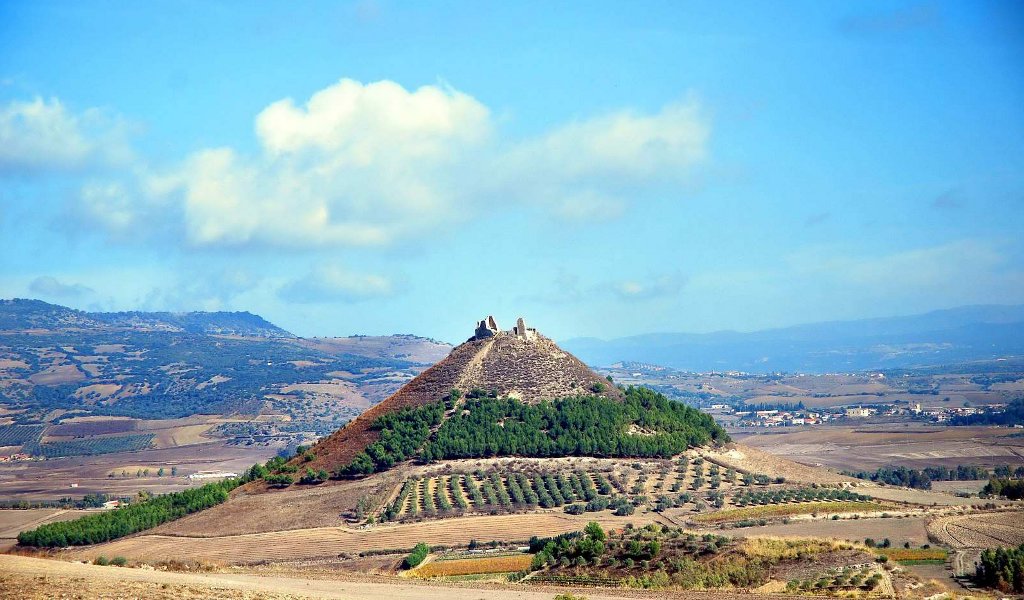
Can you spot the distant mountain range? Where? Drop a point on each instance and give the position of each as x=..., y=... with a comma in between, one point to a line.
x=56, y=360
x=969, y=333
x=19, y=314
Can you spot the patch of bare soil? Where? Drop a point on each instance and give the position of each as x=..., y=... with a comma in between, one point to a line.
x=298, y=507
x=855, y=530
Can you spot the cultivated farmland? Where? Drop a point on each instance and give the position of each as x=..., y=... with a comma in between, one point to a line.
x=980, y=530
x=474, y=566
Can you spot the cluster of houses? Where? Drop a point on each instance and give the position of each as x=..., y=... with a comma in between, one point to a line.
x=18, y=456
x=788, y=417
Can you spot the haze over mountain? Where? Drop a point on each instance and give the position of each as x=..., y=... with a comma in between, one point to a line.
x=960, y=334
x=20, y=314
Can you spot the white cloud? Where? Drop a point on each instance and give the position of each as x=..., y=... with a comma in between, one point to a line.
x=376, y=164
x=51, y=287
x=331, y=283
x=43, y=135
x=367, y=124
x=591, y=169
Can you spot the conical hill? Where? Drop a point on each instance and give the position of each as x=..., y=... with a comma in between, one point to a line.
x=519, y=363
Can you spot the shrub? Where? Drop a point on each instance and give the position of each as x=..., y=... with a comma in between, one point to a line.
x=119, y=561
x=418, y=555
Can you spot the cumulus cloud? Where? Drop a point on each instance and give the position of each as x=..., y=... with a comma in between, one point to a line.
x=43, y=135
x=53, y=288
x=335, y=283
x=590, y=169
x=375, y=164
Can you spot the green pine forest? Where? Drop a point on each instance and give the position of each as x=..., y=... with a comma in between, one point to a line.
x=644, y=424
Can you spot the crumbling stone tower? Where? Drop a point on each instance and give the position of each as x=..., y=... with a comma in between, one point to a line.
x=486, y=328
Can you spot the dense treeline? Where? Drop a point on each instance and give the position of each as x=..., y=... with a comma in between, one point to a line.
x=922, y=479
x=133, y=518
x=1002, y=568
x=1011, y=489
x=1012, y=415
x=402, y=433
x=645, y=424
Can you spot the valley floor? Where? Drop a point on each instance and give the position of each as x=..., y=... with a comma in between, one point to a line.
x=36, y=578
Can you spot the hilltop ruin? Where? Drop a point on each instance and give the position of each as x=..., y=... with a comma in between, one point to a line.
x=488, y=328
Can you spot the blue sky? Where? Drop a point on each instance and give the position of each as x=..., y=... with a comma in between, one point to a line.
x=602, y=168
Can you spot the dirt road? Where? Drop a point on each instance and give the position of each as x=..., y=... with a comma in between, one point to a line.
x=32, y=578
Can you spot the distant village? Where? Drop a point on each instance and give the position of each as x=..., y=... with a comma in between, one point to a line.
x=797, y=416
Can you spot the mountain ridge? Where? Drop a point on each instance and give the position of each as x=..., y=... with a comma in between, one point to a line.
x=938, y=337
x=29, y=314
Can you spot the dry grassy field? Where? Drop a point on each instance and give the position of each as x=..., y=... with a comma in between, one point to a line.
x=13, y=522
x=473, y=566
x=786, y=510
x=909, y=445
x=908, y=529
x=984, y=530
x=330, y=542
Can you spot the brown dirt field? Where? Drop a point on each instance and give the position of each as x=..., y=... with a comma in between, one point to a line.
x=980, y=530
x=952, y=487
x=898, y=494
x=330, y=542
x=35, y=578
x=898, y=530
x=57, y=375
x=104, y=390
x=871, y=446
x=13, y=522
x=298, y=507
x=181, y=436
